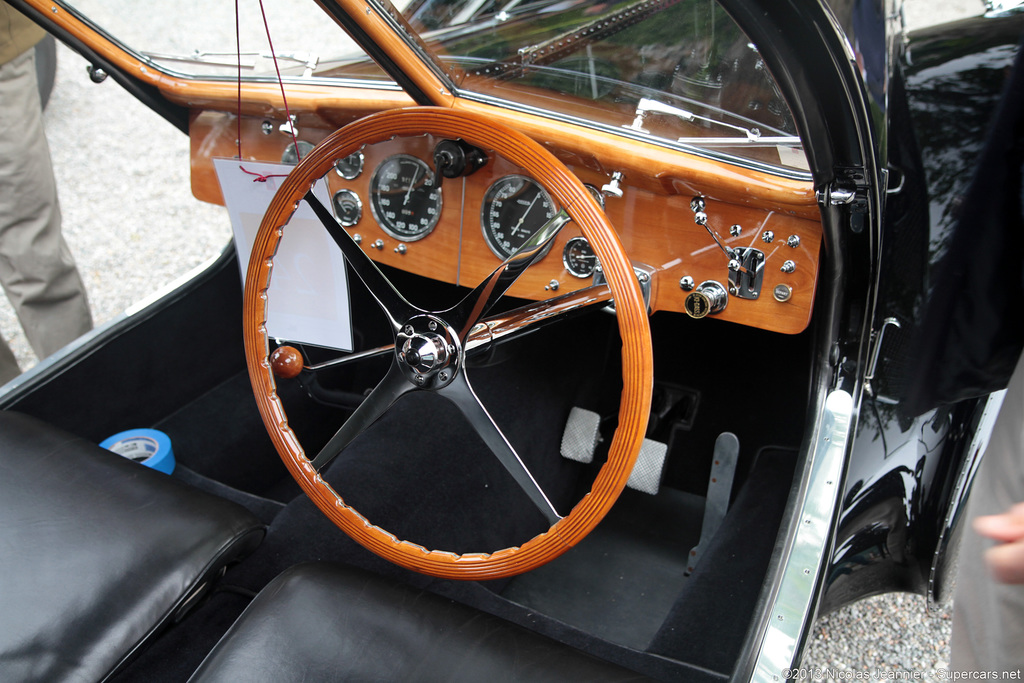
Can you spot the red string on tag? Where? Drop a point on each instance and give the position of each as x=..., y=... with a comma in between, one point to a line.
x=259, y=177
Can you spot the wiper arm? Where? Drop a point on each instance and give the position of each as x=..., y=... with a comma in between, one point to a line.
x=565, y=44
x=648, y=105
x=231, y=59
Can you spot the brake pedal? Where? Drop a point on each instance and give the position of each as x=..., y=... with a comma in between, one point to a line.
x=583, y=433
x=650, y=463
x=723, y=468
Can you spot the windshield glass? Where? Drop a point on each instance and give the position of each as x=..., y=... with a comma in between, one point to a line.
x=677, y=72
x=680, y=71
x=197, y=38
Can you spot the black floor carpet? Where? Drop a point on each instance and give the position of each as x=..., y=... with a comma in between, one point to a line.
x=621, y=581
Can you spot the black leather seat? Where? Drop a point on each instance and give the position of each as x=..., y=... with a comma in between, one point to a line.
x=327, y=622
x=97, y=552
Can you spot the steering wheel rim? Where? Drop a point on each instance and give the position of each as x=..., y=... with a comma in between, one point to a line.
x=634, y=331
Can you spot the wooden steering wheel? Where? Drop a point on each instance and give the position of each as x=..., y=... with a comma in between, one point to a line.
x=430, y=346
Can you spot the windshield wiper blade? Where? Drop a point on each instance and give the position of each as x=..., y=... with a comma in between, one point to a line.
x=648, y=105
x=231, y=59
x=565, y=44
x=753, y=134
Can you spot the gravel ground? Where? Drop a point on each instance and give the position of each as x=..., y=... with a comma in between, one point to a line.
x=123, y=175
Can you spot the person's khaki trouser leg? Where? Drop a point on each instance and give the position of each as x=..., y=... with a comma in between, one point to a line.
x=37, y=270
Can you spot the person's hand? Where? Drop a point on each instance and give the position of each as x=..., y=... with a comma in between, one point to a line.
x=1006, y=560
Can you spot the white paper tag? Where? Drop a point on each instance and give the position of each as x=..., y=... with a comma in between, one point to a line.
x=308, y=300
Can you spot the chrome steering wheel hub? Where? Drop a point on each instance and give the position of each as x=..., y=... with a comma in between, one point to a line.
x=428, y=351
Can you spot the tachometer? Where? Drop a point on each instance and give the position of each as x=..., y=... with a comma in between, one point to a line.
x=514, y=208
x=404, y=199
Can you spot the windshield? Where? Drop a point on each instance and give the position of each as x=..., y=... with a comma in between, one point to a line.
x=197, y=38
x=676, y=72
x=679, y=71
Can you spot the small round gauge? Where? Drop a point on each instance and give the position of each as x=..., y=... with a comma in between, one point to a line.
x=291, y=157
x=347, y=207
x=596, y=194
x=514, y=208
x=579, y=258
x=351, y=166
x=404, y=199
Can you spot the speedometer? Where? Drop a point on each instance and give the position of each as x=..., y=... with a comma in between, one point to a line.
x=514, y=208
x=404, y=199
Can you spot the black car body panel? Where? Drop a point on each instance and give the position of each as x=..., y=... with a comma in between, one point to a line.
x=908, y=472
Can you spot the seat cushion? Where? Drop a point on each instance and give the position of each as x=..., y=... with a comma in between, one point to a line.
x=97, y=552
x=327, y=622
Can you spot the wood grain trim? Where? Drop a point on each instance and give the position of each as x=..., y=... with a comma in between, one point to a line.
x=655, y=168
x=647, y=167
x=657, y=231
x=637, y=356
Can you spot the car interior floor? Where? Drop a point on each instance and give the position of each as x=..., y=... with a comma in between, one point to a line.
x=624, y=593
x=624, y=590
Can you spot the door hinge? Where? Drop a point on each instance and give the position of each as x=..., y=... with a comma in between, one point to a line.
x=850, y=188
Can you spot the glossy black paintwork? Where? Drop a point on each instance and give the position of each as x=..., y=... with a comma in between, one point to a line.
x=903, y=470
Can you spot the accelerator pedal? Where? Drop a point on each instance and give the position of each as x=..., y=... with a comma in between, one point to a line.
x=583, y=433
x=723, y=468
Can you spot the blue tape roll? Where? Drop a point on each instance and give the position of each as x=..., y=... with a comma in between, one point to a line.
x=150, y=447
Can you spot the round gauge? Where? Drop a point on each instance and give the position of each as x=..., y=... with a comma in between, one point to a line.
x=351, y=166
x=404, y=199
x=347, y=207
x=514, y=208
x=291, y=157
x=579, y=258
x=596, y=194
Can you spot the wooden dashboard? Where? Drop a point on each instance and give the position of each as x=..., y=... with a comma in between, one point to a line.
x=657, y=227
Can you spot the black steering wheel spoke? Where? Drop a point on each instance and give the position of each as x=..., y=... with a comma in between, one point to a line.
x=468, y=312
x=465, y=399
x=395, y=306
x=384, y=395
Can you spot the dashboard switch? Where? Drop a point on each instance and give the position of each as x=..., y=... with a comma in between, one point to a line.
x=612, y=189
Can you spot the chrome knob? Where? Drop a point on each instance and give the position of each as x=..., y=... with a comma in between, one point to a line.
x=788, y=266
x=612, y=189
x=708, y=298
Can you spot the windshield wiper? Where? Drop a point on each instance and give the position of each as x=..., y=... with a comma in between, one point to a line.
x=565, y=44
x=648, y=105
x=231, y=59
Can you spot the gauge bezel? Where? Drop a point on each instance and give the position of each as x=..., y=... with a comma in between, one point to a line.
x=358, y=202
x=571, y=243
x=352, y=175
x=376, y=193
x=488, y=201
